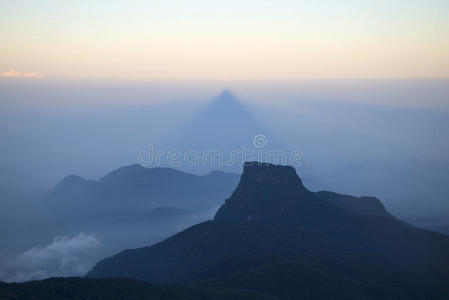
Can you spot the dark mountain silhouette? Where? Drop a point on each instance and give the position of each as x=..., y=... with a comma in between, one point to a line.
x=269, y=193
x=150, y=187
x=276, y=237
x=369, y=206
x=116, y=289
x=408, y=188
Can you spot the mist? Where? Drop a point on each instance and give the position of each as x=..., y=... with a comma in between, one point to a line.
x=383, y=138
x=89, y=128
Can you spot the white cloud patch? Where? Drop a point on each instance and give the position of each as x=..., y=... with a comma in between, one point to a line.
x=63, y=257
x=14, y=74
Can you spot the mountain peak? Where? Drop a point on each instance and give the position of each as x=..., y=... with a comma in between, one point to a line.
x=267, y=171
x=71, y=182
x=273, y=223
x=267, y=192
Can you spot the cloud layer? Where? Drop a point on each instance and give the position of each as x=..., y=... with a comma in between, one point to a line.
x=14, y=74
x=65, y=256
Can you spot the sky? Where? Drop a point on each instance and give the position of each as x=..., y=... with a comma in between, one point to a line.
x=224, y=40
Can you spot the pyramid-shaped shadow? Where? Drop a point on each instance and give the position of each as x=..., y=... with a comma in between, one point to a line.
x=225, y=125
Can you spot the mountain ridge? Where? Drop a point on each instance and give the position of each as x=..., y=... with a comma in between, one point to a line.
x=358, y=250
x=159, y=186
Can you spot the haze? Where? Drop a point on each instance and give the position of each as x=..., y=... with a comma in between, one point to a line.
x=88, y=89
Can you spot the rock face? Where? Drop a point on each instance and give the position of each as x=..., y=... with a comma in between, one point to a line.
x=274, y=236
x=275, y=194
x=271, y=194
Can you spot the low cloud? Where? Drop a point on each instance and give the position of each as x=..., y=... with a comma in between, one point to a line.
x=65, y=256
x=14, y=74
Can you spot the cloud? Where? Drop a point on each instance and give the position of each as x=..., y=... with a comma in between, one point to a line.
x=14, y=74
x=63, y=257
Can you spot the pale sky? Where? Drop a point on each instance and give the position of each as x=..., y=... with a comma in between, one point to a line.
x=241, y=40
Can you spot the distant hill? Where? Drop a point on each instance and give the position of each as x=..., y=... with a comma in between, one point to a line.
x=130, y=207
x=135, y=186
x=276, y=237
x=410, y=188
